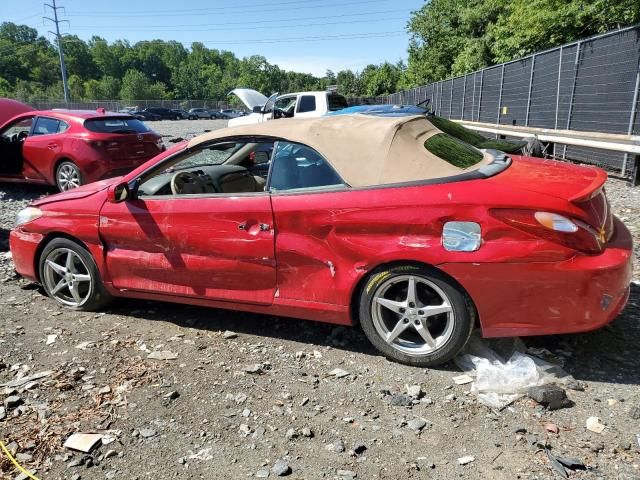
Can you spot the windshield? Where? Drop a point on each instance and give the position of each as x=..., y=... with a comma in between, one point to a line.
x=215, y=155
x=116, y=125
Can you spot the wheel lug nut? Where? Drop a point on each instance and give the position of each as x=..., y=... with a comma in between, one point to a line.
x=420, y=312
x=412, y=304
x=406, y=320
x=402, y=310
x=417, y=322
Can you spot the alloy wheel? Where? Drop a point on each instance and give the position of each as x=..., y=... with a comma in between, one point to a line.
x=412, y=314
x=68, y=177
x=67, y=278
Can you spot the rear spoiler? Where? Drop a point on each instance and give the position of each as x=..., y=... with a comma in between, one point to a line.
x=593, y=189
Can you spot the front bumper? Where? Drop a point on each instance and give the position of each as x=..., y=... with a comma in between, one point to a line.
x=24, y=246
x=583, y=293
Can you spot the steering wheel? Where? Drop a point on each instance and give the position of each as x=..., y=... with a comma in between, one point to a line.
x=22, y=135
x=279, y=113
x=187, y=183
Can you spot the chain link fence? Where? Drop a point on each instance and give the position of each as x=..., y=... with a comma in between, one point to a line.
x=116, y=105
x=589, y=85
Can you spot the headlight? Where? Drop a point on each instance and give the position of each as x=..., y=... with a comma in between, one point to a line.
x=27, y=215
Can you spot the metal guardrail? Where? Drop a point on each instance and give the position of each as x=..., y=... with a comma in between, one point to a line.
x=627, y=144
x=590, y=85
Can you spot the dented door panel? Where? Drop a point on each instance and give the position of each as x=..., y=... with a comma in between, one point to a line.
x=207, y=247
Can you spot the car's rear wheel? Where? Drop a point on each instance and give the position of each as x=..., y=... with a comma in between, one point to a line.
x=70, y=276
x=415, y=315
x=68, y=176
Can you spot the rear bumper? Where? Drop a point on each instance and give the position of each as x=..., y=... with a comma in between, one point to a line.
x=24, y=246
x=583, y=293
x=103, y=169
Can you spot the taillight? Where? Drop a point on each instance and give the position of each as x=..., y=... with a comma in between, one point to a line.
x=101, y=144
x=556, y=228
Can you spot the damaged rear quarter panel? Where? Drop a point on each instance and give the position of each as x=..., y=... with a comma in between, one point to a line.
x=326, y=242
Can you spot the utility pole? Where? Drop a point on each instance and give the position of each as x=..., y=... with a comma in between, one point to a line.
x=63, y=68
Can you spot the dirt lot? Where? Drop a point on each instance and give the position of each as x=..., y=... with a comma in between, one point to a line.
x=261, y=400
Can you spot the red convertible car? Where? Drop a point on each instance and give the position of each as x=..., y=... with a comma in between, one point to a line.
x=386, y=223
x=69, y=148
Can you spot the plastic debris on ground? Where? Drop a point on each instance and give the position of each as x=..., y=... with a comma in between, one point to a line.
x=500, y=379
x=83, y=442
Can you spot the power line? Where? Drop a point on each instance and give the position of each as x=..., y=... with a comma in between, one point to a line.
x=262, y=21
x=63, y=68
x=349, y=36
x=319, y=38
x=235, y=10
x=289, y=26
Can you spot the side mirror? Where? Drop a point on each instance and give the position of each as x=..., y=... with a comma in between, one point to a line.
x=118, y=193
x=257, y=109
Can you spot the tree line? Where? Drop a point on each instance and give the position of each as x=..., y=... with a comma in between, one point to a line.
x=447, y=38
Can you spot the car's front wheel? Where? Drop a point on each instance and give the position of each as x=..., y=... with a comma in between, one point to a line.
x=68, y=176
x=415, y=315
x=70, y=276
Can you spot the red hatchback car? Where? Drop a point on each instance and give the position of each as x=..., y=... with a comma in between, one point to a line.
x=69, y=148
x=388, y=223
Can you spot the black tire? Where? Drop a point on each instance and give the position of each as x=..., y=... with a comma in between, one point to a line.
x=96, y=295
x=213, y=117
x=67, y=166
x=464, y=315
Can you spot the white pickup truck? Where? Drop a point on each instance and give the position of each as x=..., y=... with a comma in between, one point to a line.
x=290, y=105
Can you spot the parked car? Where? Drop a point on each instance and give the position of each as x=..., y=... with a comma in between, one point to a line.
x=196, y=113
x=69, y=148
x=163, y=113
x=146, y=115
x=182, y=114
x=298, y=105
x=127, y=110
x=386, y=223
x=228, y=113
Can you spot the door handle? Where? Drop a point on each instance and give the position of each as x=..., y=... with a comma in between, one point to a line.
x=52, y=146
x=242, y=226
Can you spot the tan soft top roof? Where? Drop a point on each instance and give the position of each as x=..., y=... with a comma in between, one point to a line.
x=365, y=150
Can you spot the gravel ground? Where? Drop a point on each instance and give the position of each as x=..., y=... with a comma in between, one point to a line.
x=251, y=395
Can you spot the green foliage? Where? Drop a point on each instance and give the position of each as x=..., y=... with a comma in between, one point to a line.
x=99, y=70
x=136, y=86
x=452, y=150
x=472, y=138
x=453, y=37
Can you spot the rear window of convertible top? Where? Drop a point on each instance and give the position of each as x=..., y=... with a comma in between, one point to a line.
x=453, y=151
x=115, y=125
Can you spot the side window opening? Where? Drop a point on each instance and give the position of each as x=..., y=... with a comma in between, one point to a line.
x=47, y=126
x=307, y=104
x=21, y=129
x=226, y=167
x=297, y=166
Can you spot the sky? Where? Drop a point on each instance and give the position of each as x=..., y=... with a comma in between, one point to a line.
x=308, y=36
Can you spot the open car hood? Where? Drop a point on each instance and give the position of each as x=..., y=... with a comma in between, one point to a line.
x=10, y=108
x=251, y=98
